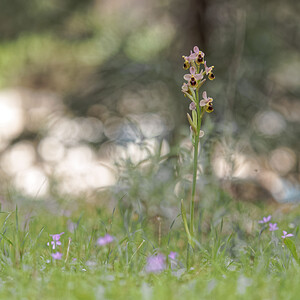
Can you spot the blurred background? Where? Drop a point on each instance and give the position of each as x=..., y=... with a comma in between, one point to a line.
x=91, y=103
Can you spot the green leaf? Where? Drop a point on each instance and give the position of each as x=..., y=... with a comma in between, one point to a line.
x=201, y=83
x=191, y=123
x=195, y=119
x=291, y=246
x=189, y=96
x=186, y=227
x=7, y=239
x=192, y=93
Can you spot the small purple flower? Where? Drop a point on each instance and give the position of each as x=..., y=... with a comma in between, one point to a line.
x=273, y=227
x=156, y=263
x=205, y=99
x=56, y=237
x=56, y=255
x=192, y=106
x=56, y=240
x=265, y=219
x=285, y=234
x=172, y=255
x=102, y=241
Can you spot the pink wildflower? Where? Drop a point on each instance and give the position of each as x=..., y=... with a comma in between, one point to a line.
x=172, y=255
x=156, y=263
x=265, y=219
x=273, y=227
x=285, y=234
x=56, y=255
x=56, y=240
x=102, y=241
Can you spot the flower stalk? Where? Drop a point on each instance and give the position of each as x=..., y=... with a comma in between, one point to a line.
x=195, y=79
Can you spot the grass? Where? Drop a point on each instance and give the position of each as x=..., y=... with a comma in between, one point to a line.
x=233, y=259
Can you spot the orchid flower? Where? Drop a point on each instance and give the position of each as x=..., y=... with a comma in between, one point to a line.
x=197, y=56
x=186, y=63
x=193, y=77
x=205, y=99
x=208, y=71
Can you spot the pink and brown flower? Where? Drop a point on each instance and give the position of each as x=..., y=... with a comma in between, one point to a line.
x=186, y=63
x=205, y=99
x=208, y=71
x=193, y=77
x=197, y=55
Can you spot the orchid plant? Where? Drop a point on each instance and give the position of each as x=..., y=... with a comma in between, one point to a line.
x=195, y=80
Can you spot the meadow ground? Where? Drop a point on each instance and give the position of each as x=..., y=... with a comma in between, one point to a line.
x=235, y=257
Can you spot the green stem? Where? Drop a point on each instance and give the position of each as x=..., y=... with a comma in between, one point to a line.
x=195, y=167
x=194, y=187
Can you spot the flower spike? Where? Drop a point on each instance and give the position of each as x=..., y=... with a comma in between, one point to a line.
x=195, y=80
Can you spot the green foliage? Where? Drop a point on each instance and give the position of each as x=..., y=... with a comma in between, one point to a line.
x=18, y=17
x=292, y=247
